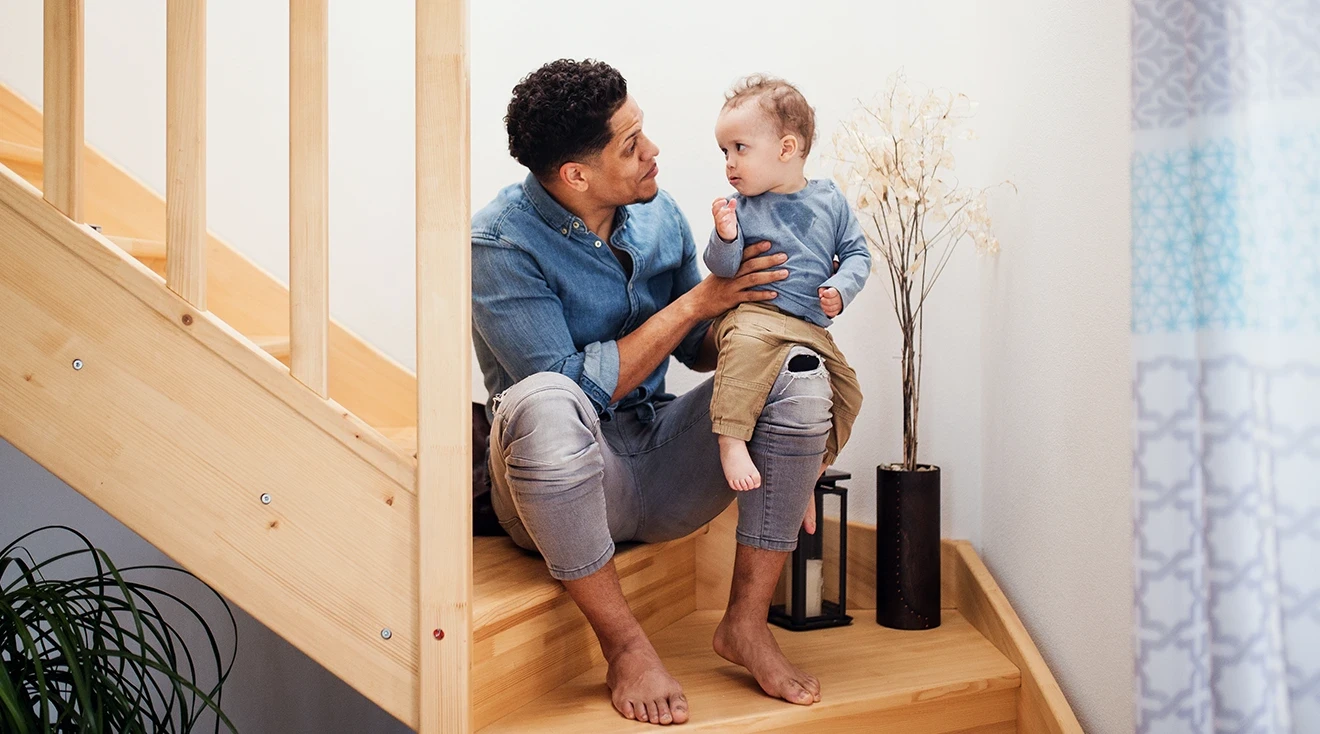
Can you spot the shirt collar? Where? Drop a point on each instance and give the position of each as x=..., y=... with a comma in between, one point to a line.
x=555, y=214
x=550, y=210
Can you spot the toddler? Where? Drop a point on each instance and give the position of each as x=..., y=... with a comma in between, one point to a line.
x=765, y=130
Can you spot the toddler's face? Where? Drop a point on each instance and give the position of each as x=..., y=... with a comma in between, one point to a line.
x=753, y=150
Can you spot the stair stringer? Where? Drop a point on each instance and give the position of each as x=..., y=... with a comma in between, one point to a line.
x=179, y=427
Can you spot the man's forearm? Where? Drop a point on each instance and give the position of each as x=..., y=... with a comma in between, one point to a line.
x=644, y=349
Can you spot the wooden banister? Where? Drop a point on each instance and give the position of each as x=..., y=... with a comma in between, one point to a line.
x=185, y=149
x=309, y=193
x=443, y=520
x=63, y=106
x=444, y=373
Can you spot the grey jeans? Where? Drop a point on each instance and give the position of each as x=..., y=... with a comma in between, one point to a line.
x=571, y=486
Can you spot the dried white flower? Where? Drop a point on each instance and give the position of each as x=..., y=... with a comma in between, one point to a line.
x=891, y=157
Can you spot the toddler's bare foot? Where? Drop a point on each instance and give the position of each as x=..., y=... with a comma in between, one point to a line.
x=738, y=467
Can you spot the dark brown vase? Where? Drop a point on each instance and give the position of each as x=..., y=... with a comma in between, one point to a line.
x=907, y=557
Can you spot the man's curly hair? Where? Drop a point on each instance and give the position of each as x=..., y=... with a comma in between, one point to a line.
x=561, y=112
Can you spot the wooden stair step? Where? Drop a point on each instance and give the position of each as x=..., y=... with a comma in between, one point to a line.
x=403, y=437
x=275, y=346
x=950, y=679
x=529, y=636
x=17, y=154
x=140, y=248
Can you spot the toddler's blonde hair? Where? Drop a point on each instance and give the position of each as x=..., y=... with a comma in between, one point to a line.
x=782, y=101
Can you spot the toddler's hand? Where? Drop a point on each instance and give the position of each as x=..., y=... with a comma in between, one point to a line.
x=726, y=221
x=830, y=301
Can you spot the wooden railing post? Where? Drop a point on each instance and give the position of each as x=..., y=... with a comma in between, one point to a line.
x=185, y=149
x=444, y=373
x=309, y=193
x=63, y=106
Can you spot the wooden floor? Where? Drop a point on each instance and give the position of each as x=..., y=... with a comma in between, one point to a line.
x=950, y=679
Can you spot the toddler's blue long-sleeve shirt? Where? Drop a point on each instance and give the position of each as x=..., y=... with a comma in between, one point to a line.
x=811, y=226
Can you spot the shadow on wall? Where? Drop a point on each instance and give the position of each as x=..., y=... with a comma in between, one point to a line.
x=274, y=688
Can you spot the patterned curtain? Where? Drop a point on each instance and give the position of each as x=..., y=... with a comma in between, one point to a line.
x=1226, y=374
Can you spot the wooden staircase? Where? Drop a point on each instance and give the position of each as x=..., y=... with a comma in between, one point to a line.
x=183, y=424
x=950, y=679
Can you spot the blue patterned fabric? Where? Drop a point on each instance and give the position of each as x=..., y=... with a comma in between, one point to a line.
x=1226, y=376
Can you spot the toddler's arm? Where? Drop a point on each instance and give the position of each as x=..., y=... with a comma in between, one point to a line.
x=723, y=255
x=854, y=256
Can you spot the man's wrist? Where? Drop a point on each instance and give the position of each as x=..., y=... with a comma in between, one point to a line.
x=687, y=309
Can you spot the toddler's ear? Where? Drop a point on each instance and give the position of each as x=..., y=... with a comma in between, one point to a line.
x=788, y=147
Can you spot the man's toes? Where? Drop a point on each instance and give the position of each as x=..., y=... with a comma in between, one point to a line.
x=663, y=715
x=798, y=694
x=640, y=708
x=679, y=707
x=627, y=710
x=812, y=684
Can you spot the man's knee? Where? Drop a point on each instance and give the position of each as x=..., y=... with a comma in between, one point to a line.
x=801, y=394
x=545, y=419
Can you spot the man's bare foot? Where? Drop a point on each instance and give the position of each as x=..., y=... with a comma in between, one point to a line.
x=642, y=689
x=738, y=467
x=753, y=647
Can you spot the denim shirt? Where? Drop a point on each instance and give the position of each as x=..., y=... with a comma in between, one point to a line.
x=549, y=296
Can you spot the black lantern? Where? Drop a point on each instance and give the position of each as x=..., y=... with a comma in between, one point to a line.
x=805, y=607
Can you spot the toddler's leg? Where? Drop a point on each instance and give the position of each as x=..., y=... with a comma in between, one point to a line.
x=750, y=354
x=739, y=470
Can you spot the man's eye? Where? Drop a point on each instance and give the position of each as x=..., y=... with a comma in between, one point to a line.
x=740, y=147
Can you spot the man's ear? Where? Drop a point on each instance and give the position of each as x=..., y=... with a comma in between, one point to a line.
x=574, y=175
x=788, y=148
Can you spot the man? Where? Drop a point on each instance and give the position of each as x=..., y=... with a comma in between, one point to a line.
x=584, y=282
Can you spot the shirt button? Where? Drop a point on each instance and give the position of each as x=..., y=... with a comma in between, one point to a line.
x=564, y=230
x=576, y=225
x=597, y=243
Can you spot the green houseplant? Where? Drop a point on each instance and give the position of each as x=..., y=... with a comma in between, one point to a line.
x=94, y=651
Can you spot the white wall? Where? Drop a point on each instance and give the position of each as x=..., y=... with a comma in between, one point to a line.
x=1001, y=346
x=1056, y=521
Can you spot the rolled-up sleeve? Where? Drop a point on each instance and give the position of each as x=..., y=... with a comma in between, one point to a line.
x=687, y=278
x=522, y=320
